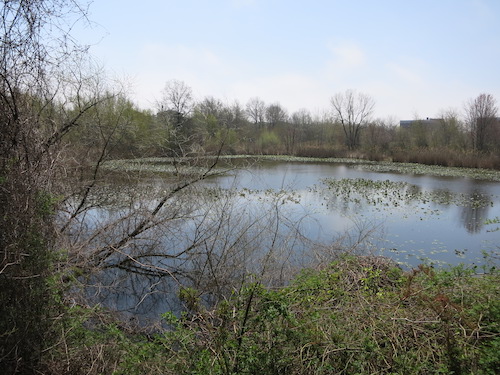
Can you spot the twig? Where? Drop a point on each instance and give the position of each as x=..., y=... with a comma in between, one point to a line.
x=417, y=321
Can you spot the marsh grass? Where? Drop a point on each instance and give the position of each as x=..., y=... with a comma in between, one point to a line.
x=448, y=158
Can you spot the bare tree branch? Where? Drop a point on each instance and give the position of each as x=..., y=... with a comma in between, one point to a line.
x=353, y=111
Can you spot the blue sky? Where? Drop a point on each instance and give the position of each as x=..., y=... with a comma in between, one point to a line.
x=414, y=57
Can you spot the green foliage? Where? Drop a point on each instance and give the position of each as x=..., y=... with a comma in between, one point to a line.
x=268, y=141
x=29, y=298
x=117, y=126
x=360, y=315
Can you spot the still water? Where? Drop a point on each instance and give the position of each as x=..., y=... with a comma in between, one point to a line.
x=408, y=217
x=426, y=228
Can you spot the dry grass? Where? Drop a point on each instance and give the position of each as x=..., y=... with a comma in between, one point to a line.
x=448, y=158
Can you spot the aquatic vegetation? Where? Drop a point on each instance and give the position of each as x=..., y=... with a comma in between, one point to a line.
x=494, y=222
x=393, y=194
x=333, y=206
x=166, y=165
x=390, y=167
x=155, y=165
x=433, y=170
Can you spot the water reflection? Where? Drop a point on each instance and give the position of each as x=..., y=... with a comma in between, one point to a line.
x=274, y=218
x=475, y=214
x=421, y=215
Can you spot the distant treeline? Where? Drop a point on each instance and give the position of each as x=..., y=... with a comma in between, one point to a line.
x=181, y=126
x=61, y=119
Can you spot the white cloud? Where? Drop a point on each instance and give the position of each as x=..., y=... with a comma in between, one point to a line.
x=349, y=55
x=409, y=75
x=210, y=74
x=405, y=101
x=200, y=68
x=400, y=88
x=347, y=58
x=292, y=91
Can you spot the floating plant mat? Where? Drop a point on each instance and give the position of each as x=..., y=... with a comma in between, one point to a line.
x=432, y=170
x=393, y=194
x=391, y=167
x=166, y=165
x=181, y=167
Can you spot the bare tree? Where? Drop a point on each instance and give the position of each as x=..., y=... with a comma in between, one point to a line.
x=256, y=110
x=301, y=118
x=275, y=114
x=238, y=115
x=213, y=120
x=353, y=110
x=450, y=132
x=293, y=132
x=177, y=100
x=481, y=117
x=211, y=106
x=43, y=95
x=378, y=134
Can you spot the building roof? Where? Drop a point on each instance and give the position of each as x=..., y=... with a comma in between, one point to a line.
x=426, y=122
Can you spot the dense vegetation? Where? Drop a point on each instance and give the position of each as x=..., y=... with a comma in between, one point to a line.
x=448, y=141
x=61, y=122
x=359, y=315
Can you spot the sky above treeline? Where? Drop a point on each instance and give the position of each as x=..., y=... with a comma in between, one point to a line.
x=415, y=58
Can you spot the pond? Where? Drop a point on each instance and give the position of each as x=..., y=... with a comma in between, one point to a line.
x=251, y=219
x=441, y=220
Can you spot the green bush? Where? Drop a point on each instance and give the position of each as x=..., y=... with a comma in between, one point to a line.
x=360, y=315
x=28, y=297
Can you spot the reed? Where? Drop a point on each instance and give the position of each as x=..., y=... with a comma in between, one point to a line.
x=447, y=158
